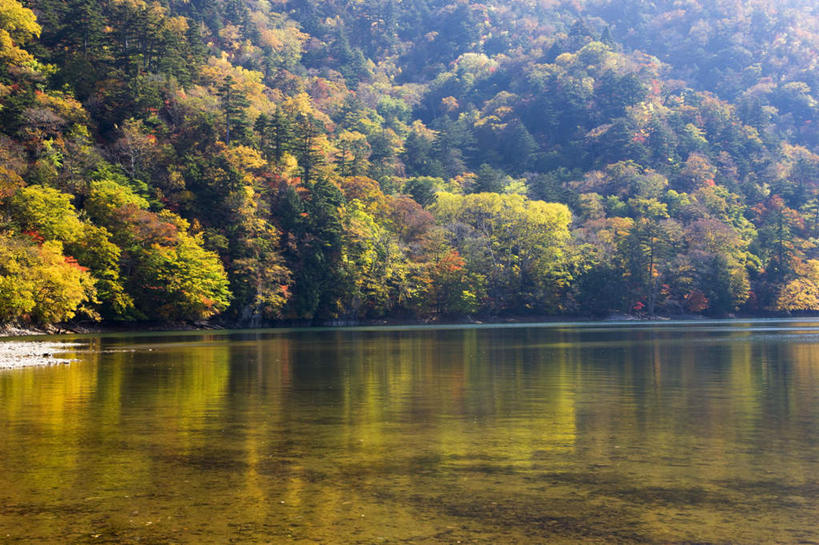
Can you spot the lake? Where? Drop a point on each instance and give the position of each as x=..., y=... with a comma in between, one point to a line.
x=667, y=433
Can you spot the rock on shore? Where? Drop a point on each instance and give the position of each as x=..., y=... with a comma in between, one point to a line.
x=15, y=354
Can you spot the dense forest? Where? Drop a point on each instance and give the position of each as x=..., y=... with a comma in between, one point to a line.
x=251, y=161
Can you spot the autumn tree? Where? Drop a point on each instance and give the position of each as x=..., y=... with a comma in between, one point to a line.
x=518, y=244
x=39, y=284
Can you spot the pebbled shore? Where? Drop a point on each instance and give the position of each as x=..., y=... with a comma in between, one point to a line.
x=16, y=354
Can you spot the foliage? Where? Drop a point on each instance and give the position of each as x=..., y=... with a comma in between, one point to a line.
x=519, y=245
x=180, y=282
x=39, y=284
x=257, y=161
x=801, y=294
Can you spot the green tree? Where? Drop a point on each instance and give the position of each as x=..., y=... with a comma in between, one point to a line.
x=489, y=180
x=423, y=189
x=307, y=148
x=234, y=105
x=776, y=243
x=651, y=247
x=276, y=134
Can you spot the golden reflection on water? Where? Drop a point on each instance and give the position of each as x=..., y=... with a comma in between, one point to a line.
x=561, y=434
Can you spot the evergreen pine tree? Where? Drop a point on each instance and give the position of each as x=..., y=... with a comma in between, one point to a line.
x=234, y=103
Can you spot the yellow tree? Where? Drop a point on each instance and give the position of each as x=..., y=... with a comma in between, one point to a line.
x=520, y=245
x=801, y=293
x=17, y=26
x=38, y=283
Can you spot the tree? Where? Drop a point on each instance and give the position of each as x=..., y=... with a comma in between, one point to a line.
x=718, y=258
x=234, y=103
x=260, y=278
x=651, y=247
x=167, y=271
x=307, y=148
x=19, y=70
x=777, y=225
x=374, y=265
x=448, y=287
x=423, y=189
x=38, y=283
x=518, y=244
x=418, y=152
x=616, y=93
x=601, y=261
x=47, y=212
x=312, y=245
x=801, y=293
x=182, y=281
x=353, y=154
x=137, y=149
x=79, y=41
x=18, y=25
x=489, y=180
x=94, y=250
x=276, y=134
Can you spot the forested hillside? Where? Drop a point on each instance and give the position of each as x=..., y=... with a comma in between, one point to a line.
x=260, y=160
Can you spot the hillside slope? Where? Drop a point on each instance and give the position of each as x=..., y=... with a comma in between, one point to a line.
x=254, y=161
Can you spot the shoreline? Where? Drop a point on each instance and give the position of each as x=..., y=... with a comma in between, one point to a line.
x=15, y=331
x=22, y=347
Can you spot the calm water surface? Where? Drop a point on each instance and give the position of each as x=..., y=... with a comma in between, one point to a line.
x=669, y=433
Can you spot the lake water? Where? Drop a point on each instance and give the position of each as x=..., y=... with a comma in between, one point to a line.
x=666, y=433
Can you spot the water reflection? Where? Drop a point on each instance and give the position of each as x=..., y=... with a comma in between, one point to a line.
x=677, y=433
